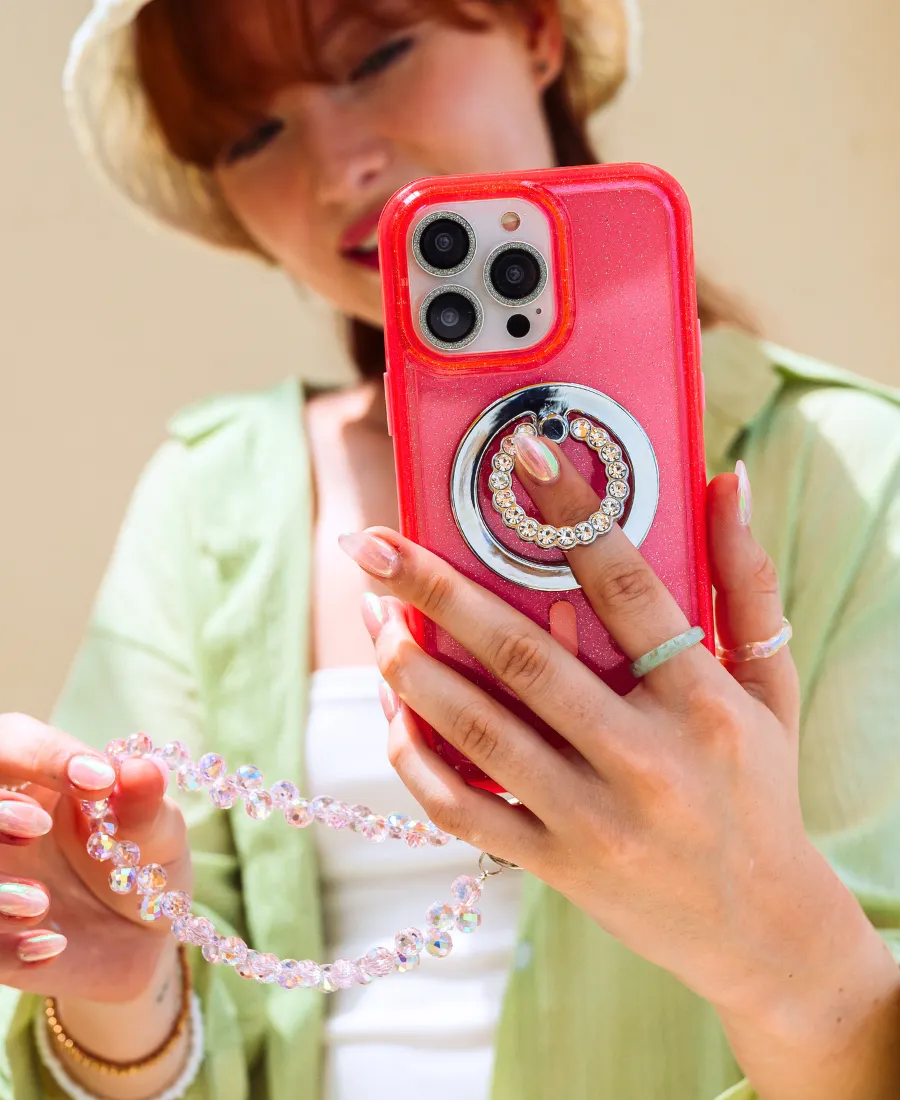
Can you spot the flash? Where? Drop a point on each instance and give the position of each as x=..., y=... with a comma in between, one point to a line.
x=510, y=221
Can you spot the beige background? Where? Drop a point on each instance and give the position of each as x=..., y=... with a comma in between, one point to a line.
x=782, y=119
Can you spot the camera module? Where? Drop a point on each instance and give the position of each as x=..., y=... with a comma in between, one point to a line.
x=451, y=318
x=444, y=243
x=515, y=273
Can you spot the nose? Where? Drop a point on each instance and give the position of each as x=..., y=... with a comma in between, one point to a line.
x=347, y=158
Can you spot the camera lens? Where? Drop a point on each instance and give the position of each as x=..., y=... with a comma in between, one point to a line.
x=444, y=244
x=515, y=274
x=451, y=317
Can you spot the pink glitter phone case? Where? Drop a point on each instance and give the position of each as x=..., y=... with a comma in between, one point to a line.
x=625, y=326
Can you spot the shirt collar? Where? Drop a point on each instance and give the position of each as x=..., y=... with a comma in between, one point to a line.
x=741, y=379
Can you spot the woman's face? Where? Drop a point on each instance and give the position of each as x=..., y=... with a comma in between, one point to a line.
x=431, y=99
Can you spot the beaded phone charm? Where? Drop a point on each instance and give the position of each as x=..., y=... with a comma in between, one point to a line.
x=246, y=786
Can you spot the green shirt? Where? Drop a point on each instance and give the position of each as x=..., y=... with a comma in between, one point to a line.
x=201, y=632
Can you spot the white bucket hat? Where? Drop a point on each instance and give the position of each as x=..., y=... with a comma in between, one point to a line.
x=116, y=130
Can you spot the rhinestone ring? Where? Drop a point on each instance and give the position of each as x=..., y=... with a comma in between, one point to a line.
x=545, y=535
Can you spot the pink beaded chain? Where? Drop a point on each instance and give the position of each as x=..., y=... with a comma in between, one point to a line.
x=210, y=774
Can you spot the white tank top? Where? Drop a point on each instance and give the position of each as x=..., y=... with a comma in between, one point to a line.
x=429, y=1033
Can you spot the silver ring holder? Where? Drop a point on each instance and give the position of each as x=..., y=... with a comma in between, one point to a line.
x=549, y=406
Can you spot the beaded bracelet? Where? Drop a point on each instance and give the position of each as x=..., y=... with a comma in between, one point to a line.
x=246, y=787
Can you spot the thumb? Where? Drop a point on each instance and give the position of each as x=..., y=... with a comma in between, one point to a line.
x=748, y=601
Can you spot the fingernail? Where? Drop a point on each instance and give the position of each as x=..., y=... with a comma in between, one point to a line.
x=538, y=461
x=91, y=773
x=24, y=820
x=370, y=553
x=19, y=900
x=45, y=945
x=373, y=614
x=390, y=703
x=745, y=494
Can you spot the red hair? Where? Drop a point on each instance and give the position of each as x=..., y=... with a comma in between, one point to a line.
x=206, y=80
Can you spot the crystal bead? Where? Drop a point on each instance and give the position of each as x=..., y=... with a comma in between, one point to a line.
x=499, y=480
x=601, y=522
x=299, y=814
x=565, y=538
x=508, y=445
x=377, y=962
x=210, y=950
x=284, y=793
x=212, y=768
x=404, y=963
x=151, y=907
x=617, y=470
x=465, y=890
x=126, y=854
x=546, y=537
x=337, y=815
x=202, y=930
x=439, y=916
x=344, y=973
x=264, y=967
x=416, y=834
x=597, y=438
x=151, y=879
x=310, y=974
x=503, y=462
x=610, y=452
x=232, y=951
x=108, y=825
x=122, y=880
x=224, y=793
x=96, y=811
x=188, y=778
x=439, y=944
x=512, y=517
x=585, y=533
x=176, y=904
x=181, y=929
x=363, y=976
x=100, y=846
x=580, y=428
x=437, y=837
x=528, y=529
x=409, y=942
x=258, y=805
x=358, y=815
x=289, y=974
x=467, y=919
x=138, y=744
x=116, y=751
x=249, y=777
x=395, y=825
x=319, y=805
x=244, y=971
x=618, y=490
x=375, y=828
x=526, y=428
x=325, y=983
x=504, y=499
x=174, y=754
x=611, y=507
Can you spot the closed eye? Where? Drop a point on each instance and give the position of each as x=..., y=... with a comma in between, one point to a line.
x=255, y=141
x=381, y=59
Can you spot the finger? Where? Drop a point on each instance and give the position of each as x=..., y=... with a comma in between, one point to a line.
x=748, y=601
x=468, y=813
x=484, y=731
x=627, y=596
x=22, y=952
x=548, y=679
x=23, y=902
x=22, y=820
x=33, y=752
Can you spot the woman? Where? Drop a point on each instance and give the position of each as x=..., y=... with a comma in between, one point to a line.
x=688, y=924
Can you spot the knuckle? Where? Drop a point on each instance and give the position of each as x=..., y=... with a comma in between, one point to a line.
x=433, y=594
x=625, y=583
x=475, y=733
x=521, y=660
x=765, y=576
x=449, y=816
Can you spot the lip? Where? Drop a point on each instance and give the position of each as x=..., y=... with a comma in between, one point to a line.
x=353, y=236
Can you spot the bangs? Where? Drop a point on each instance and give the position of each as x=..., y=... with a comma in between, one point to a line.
x=208, y=68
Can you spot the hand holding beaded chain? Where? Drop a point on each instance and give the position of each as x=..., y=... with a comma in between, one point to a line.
x=545, y=535
x=210, y=775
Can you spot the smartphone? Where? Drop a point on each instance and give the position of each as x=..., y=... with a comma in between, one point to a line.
x=563, y=302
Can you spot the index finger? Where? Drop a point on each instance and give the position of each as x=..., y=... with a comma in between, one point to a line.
x=32, y=752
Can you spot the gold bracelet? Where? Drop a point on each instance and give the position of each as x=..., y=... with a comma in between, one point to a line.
x=125, y=1069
